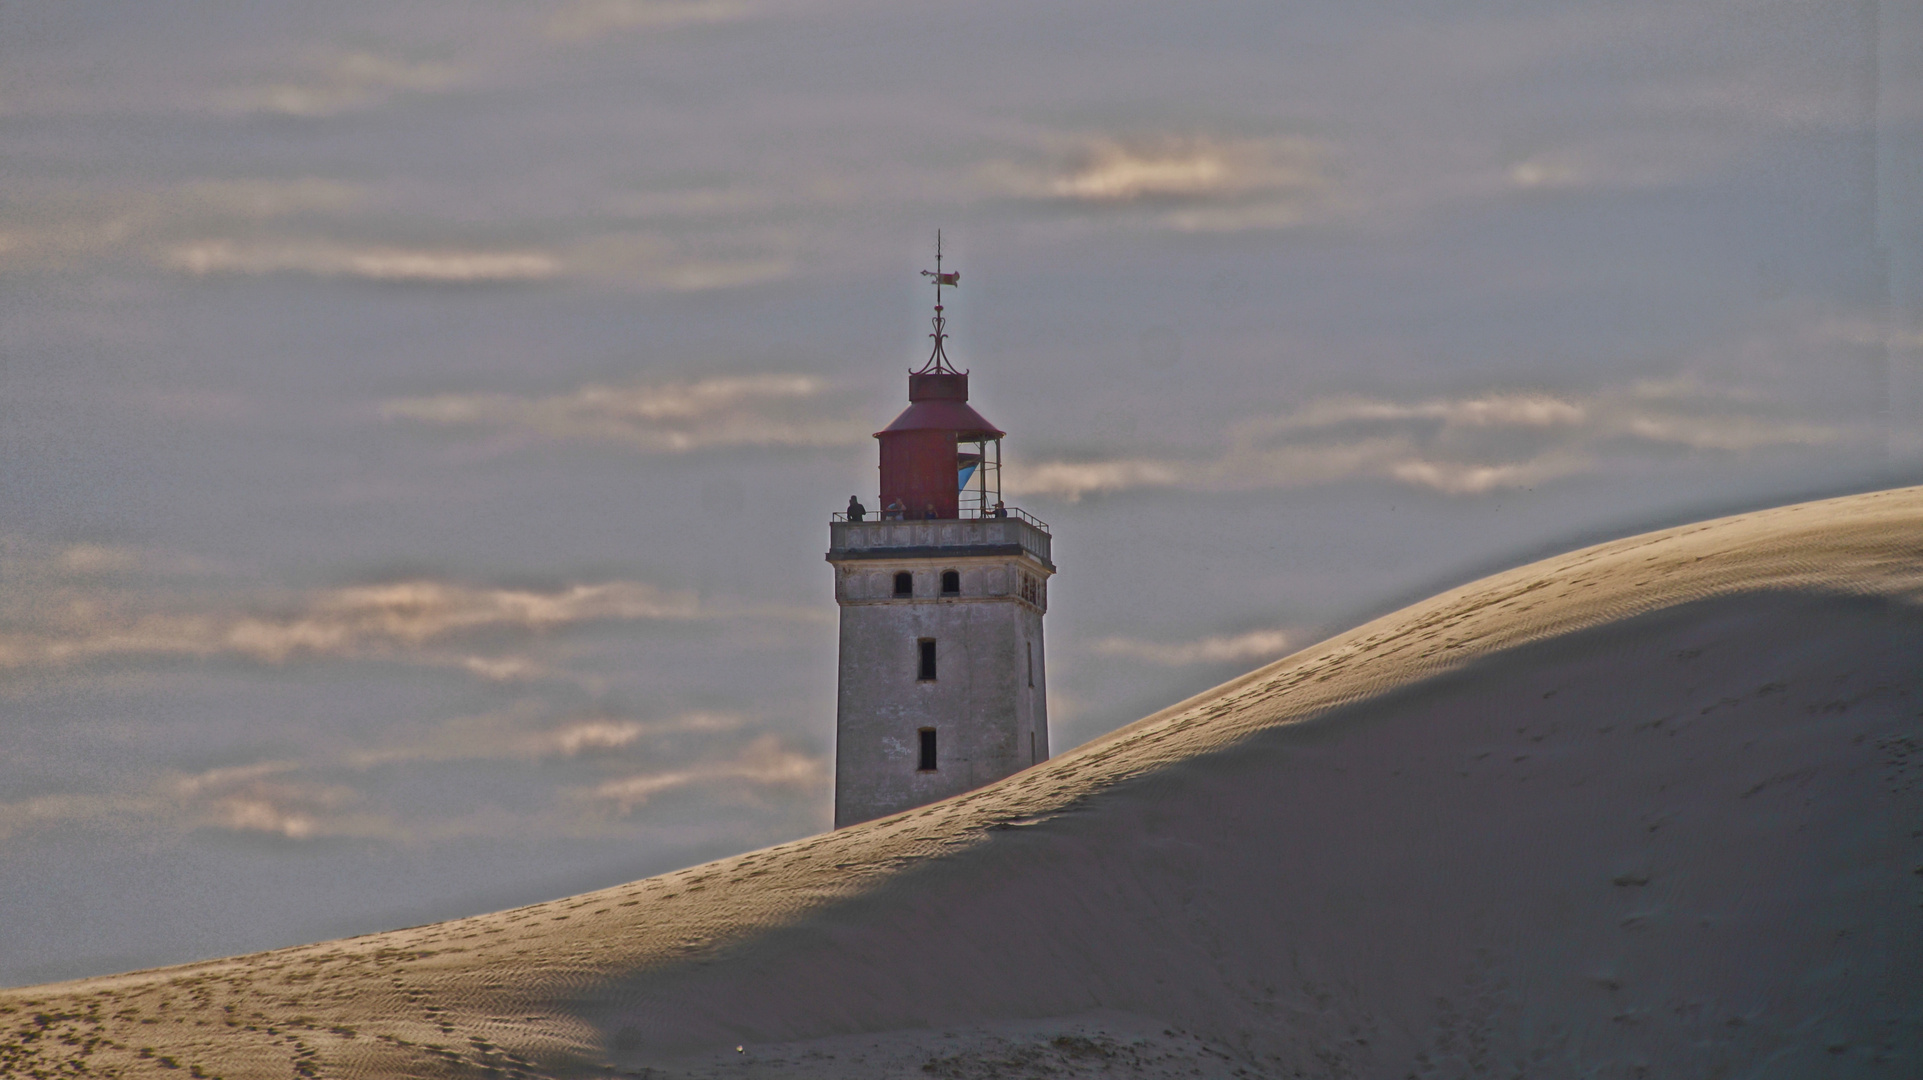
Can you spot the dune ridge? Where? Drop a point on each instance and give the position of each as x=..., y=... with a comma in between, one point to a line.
x=1650, y=805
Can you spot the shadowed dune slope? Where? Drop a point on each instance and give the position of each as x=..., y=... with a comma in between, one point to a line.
x=1650, y=808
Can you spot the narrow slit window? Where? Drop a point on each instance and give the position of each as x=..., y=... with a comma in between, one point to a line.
x=927, y=750
x=1031, y=662
x=904, y=584
x=927, y=672
x=951, y=583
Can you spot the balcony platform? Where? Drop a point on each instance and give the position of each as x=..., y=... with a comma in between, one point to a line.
x=1016, y=534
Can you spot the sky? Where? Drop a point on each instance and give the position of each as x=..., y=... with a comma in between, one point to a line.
x=419, y=423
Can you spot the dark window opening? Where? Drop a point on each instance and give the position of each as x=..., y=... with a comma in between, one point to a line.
x=927, y=660
x=927, y=750
x=950, y=583
x=904, y=584
x=1031, y=662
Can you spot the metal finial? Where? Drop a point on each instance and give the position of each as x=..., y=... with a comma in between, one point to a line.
x=938, y=358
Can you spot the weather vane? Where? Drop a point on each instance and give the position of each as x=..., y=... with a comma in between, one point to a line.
x=938, y=359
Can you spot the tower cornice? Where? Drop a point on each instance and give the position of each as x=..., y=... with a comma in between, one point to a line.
x=941, y=538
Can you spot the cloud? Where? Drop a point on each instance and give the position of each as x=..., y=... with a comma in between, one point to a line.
x=345, y=82
x=1458, y=446
x=57, y=234
x=1486, y=411
x=252, y=227
x=1878, y=334
x=597, y=735
x=414, y=612
x=1777, y=96
x=502, y=668
x=25, y=815
x=181, y=226
x=1457, y=478
x=334, y=792
x=1118, y=174
x=1193, y=183
x=259, y=199
x=320, y=227
x=1547, y=173
x=714, y=257
x=1191, y=167
x=85, y=558
x=525, y=733
x=671, y=417
x=1073, y=479
x=1627, y=161
x=31, y=568
x=585, y=19
x=71, y=611
x=260, y=798
x=1253, y=645
x=324, y=259
x=641, y=261
x=762, y=763
x=263, y=798
x=395, y=621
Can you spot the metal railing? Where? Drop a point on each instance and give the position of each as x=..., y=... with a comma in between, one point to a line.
x=968, y=513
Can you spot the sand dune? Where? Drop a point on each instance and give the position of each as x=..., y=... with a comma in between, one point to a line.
x=1650, y=808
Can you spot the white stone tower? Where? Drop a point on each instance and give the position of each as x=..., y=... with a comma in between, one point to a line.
x=942, y=685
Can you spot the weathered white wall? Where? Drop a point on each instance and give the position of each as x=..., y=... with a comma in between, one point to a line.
x=989, y=721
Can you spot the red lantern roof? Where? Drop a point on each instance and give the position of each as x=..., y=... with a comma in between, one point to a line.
x=956, y=416
x=940, y=403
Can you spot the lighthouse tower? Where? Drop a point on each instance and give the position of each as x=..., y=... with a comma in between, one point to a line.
x=942, y=686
